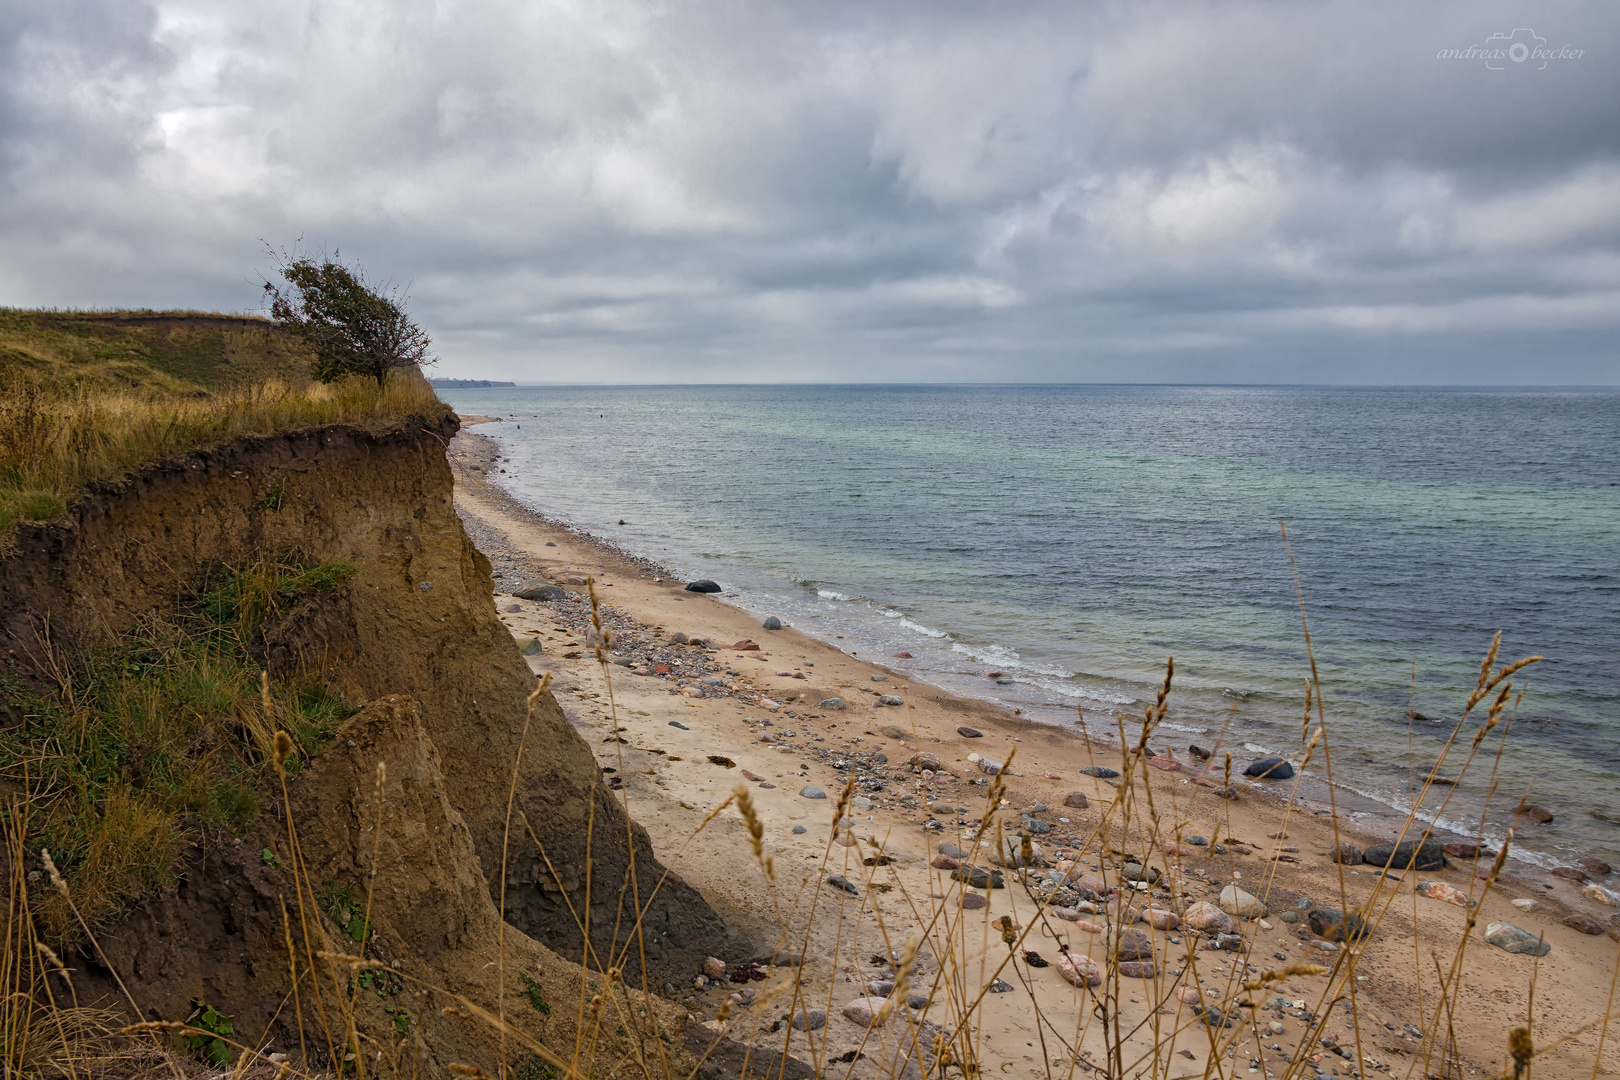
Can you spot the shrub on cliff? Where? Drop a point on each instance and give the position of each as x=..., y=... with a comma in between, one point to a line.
x=349, y=326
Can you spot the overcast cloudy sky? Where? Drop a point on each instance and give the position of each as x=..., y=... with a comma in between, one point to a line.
x=739, y=191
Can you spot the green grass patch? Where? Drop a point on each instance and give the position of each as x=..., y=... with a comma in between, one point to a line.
x=162, y=735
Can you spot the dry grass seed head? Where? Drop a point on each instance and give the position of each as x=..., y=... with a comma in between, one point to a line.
x=284, y=746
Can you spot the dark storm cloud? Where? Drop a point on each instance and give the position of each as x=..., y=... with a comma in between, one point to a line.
x=729, y=191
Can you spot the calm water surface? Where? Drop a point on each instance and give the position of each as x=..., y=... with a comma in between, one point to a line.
x=1074, y=537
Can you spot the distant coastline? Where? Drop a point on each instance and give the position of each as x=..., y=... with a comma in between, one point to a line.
x=467, y=384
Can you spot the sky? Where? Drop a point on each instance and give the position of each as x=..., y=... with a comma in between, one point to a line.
x=775, y=190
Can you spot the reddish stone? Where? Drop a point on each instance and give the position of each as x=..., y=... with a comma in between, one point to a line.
x=1569, y=873
x=995, y=675
x=1585, y=923
x=1595, y=867
x=755, y=777
x=1168, y=764
x=944, y=862
x=745, y=646
x=902, y=656
x=661, y=669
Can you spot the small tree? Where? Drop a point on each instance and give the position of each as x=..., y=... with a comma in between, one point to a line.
x=351, y=326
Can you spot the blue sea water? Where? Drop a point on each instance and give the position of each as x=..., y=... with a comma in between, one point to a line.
x=1073, y=537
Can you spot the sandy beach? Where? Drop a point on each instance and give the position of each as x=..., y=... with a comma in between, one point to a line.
x=701, y=698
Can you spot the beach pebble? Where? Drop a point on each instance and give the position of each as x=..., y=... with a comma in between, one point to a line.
x=1234, y=901
x=1439, y=890
x=772, y=623
x=767, y=737
x=1270, y=768
x=972, y=901
x=1208, y=918
x=970, y=733
x=1137, y=969
x=1586, y=924
x=714, y=968
x=539, y=589
x=641, y=671
x=1160, y=918
x=943, y=862
x=1198, y=752
x=1168, y=764
x=1510, y=938
x=1134, y=944
x=880, y=678
x=1346, y=853
x=752, y=776
x=985, y=765
x=839, y=882
x=1197, y=841
x=1525, y=904
x=1075, y=800
x=1175, y=850
x=953, y=851
x=861, y=802
x=833, y=704
x=1430, y=855
x=1332, y=924
x=678, y=724
x=810, y=1019
x=1081, y=971
x=1034, y=825
x=917, y=1001
x=1539, y=815
x=1137, y=872
x=810, y=791
x=890, y=699
x=1463, y=851
x=924, y=762
x=880, y=988
x=1000, y=986
x=799, y=830
x=702, y=585
x=693, y=692
x=1289, y=917
x=1595, y=867
x=1601, y=895
x=978, y=877
x=1189, y=995
x=1100, y=772
x=1569, y=873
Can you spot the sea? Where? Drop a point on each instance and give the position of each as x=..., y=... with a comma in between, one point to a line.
x=1073, y=539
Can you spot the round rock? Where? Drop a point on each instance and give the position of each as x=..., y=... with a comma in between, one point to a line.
x=703, y=585
x=772, y=623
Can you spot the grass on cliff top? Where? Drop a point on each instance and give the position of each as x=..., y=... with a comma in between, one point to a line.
x=91, y=397
x=147, y=744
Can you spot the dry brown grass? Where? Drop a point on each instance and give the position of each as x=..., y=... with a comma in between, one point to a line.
x=87, y=399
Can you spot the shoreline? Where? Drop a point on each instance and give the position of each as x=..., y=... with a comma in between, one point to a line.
x=1359, y=811
x=665, y=774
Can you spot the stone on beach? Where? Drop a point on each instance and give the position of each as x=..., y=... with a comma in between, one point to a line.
x=1160, y=918
x=943, y=862
x=1595, y=867
x=1569, y=873
x=771, y=623
x=1540, y=815
x=531, y=647
x=714, y=968
x=1439, y=890
x=1346, y=853
x=1332, y=924
x=1101, y=772
x=864, y=1010
x=834, y=704
x=1137, y=969
x=539, y=589
x=1075, y=799
x=1134, y=944
x=1081, y=971
x=1429, y=855
x=972, y=901
x=890, y=699
x=1234, y=901
x=810, y=791
x=970, y=733
x=1601, y=895
x=810, y=1019
x=1270, y=768
x=1510, y=938
x=1586, y=924
x=1207, y=918
x=703, y=585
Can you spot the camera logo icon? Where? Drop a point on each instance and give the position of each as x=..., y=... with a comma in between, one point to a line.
x=1520, y=47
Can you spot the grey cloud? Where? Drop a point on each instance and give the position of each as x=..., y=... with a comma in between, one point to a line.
x=845, y=191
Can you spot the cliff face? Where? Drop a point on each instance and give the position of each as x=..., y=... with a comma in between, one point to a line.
x=416, y=623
